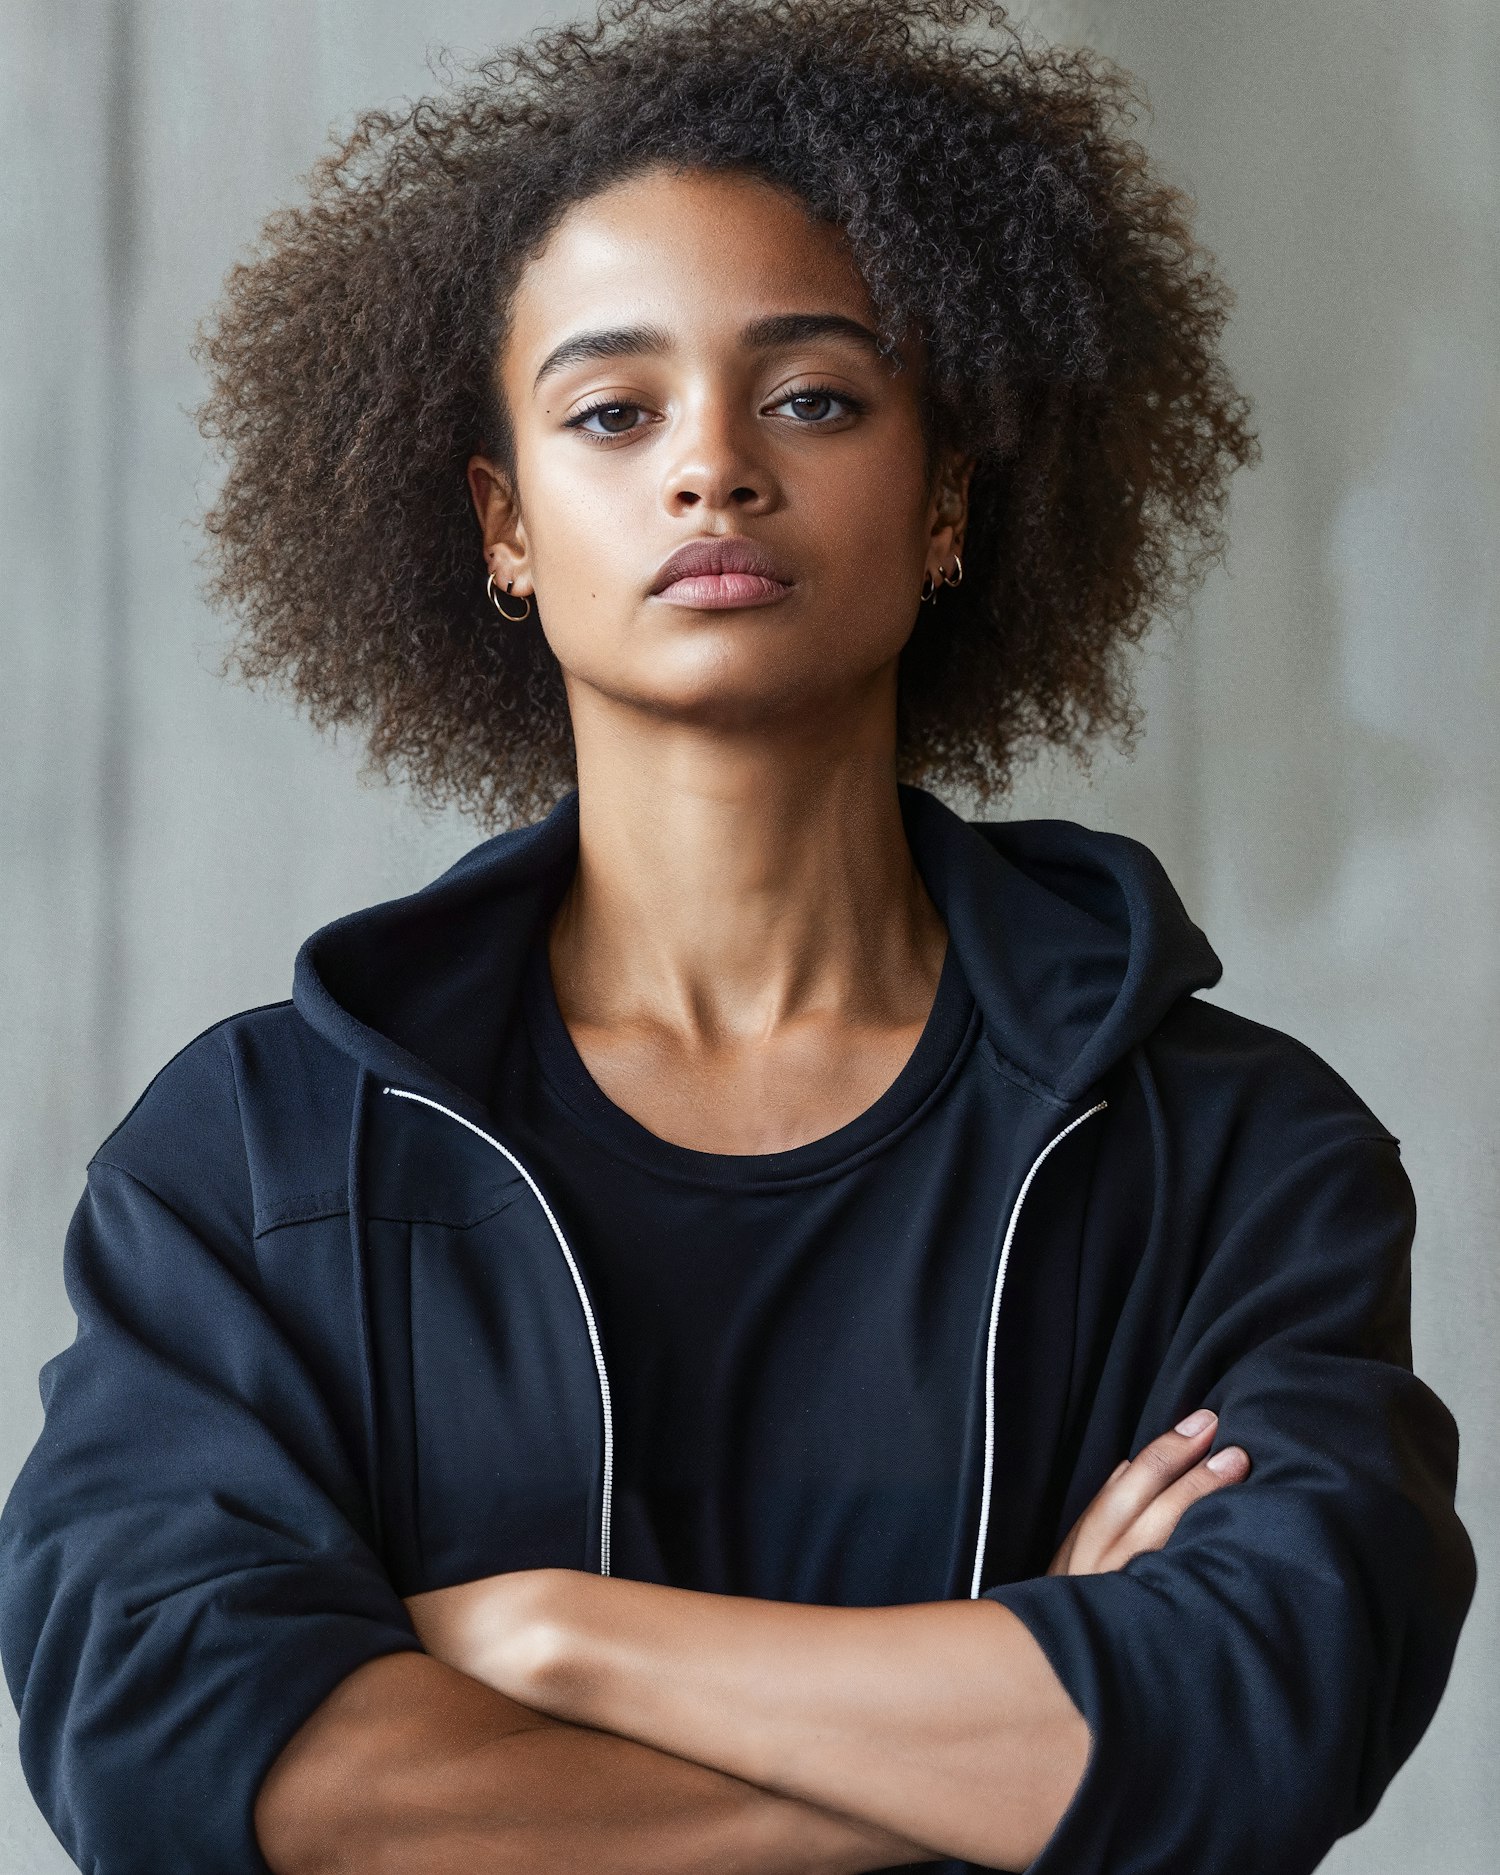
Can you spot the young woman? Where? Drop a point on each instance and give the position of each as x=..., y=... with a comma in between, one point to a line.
x=754, y=1324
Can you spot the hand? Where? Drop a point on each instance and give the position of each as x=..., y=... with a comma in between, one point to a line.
x=1138, y=1505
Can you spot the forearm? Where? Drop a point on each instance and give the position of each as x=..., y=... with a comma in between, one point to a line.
x=410, y=1765
x=940, y=1721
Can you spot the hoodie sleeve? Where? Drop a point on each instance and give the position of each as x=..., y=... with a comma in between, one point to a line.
x=1253, y=1686
x=184, y=1573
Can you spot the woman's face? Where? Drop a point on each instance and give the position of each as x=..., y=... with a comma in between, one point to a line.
x=690, y=358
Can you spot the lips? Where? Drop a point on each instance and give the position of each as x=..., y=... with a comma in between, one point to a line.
x=721, y=573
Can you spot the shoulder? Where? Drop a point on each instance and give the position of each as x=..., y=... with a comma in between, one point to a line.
x=245, y=1121
x=1253, y=1139
x=1224, y=1067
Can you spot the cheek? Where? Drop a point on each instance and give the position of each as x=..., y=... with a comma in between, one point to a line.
x=871, y=553
x=587, y=539
x=870, y=514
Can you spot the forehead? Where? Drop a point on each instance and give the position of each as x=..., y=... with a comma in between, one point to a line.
x=687, y=250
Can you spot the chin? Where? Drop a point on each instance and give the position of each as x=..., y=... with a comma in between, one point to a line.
x=736, y=670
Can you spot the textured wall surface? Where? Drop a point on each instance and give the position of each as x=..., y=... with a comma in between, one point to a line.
x=1320, y=771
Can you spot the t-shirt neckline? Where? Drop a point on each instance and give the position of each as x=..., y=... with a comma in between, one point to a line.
x=949, y=1032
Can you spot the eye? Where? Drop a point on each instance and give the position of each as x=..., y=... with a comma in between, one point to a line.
x=606, y=407
x=820, y=396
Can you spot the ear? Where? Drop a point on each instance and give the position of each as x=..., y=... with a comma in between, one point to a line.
x=950, y=502
x=507, y=552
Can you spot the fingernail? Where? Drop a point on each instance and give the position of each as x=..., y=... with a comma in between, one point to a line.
x=1196, y=1422
x=1229, y=1459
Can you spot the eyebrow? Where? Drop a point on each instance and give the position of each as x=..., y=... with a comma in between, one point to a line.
x=761, y=335
x=794, y=329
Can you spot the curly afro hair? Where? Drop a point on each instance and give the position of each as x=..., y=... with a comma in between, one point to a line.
x=993, y=203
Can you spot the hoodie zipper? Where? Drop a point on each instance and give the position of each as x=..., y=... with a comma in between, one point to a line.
x=402, y=1093
x=989, y=1354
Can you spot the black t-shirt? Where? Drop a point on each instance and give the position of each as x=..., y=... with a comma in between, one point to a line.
x=880, y=1237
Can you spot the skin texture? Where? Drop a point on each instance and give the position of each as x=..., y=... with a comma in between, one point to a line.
x=411, y=1766
x=939, y=1721
x=744, y=960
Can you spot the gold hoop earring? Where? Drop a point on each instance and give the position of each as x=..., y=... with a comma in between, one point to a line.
x=958, y=578
x=489, y=586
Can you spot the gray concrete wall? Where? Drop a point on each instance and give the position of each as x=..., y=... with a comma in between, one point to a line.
x=1320, y=772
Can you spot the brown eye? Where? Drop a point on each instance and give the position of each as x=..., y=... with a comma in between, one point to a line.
x=815, y=406
x=820, y=399
x=607, y=414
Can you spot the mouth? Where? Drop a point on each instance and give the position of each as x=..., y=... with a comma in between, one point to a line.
x=722, y=571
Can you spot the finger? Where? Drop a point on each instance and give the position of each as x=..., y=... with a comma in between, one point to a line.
x=1116, y=1504
x=1060, y=1564
x=1154, y=1469
x=1159, y=1519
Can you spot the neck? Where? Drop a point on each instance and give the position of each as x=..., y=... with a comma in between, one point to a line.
x=728, y=887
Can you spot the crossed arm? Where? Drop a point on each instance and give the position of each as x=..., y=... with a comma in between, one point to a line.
x=575, y=1722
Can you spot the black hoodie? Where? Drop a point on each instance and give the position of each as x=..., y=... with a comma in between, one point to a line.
x=228, y=1500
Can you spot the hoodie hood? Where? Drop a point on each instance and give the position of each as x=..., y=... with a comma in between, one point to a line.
x=1074, y=943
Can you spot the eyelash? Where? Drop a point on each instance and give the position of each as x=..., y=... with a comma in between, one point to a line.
x=577, y=420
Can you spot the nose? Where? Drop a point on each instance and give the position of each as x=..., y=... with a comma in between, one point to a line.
x=717, y=459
